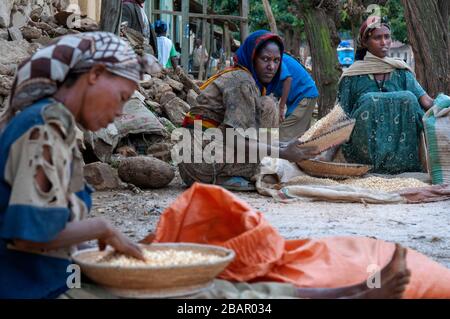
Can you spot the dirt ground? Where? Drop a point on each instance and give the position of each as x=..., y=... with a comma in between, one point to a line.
x=424, y=227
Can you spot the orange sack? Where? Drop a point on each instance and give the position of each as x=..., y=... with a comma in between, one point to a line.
x=211, y=215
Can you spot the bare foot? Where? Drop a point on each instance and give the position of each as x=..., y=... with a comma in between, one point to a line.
x=394, y=278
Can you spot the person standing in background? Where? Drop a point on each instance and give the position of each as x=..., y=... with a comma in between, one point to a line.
x=167, y=55
x=200, y=55
x=133, y=12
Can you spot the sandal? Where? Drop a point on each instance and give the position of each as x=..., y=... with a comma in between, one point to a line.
x=238, y=184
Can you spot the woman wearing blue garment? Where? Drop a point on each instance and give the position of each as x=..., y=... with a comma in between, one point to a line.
x=236, y=98
x=84, y=79
x=298, y=97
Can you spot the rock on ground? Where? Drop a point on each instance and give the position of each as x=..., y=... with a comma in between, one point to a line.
x=176, y=110
x=147, y=83
x=8, y=70
x=10, y=16
x=31, y=33
x=161, y=151
x=146, y=172
x=101, y=176
x=166, y=97
x=127, y=151
x=177, y=86
x=187, y=82
x=191, y=98
x=15, y=34
x=5, y=12
x=158, y=89
x=4, y=35
x=5, y=85
x=14, y=52
x=154, y=107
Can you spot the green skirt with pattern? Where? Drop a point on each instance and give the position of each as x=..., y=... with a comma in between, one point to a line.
x=387, y=132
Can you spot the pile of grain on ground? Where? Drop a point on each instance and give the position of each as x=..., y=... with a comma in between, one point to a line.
x=325, y=124
x=309, y=180
x=385, y=184
x=371, y=183
x=160, y=258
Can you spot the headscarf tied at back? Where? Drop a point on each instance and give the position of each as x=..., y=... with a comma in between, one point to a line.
x=370, y=24
x=40, y=75
x=246, y=55
x=367, y=63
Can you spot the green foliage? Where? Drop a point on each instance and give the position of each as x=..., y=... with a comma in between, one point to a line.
x=258, y=20
x=257, y=16
x=395, y=13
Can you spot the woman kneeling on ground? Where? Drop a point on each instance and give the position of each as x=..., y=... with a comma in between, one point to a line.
x=236, y=99
x=386, y=100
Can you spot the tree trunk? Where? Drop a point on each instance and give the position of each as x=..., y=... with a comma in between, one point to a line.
x=111, y=16
x=323, y=40
x=444, y=9
x=292, y=39
x=287, y=37
x=270, y=17
x=296, y=42
x=244, y=10
x=428, y=35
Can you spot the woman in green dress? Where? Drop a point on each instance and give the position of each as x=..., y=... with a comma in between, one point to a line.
x=388, y=103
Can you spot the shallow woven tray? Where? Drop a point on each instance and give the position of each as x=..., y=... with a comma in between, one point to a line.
x=337, y=136
x=333, y=170
x=151, y=281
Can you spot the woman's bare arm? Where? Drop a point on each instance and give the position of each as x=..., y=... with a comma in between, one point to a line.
x=292, y=151
x=426, y=102
x=284, y=97
x=74, y=233
x=85, y=230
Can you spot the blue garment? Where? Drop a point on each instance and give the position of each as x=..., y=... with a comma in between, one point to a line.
x=246, y=53
x=302, y=86
x=27, y=275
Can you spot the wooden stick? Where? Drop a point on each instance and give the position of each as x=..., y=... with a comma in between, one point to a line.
x=270, y=17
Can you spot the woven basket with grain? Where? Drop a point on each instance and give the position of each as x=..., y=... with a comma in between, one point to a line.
x=332, y=130
x=333, y=170
x=325, y=124
x=340, y=134
x=171, y=269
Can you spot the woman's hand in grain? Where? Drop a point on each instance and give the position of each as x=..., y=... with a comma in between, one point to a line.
x=120, y=243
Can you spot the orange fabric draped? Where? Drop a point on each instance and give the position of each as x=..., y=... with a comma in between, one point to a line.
x=211, y=215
